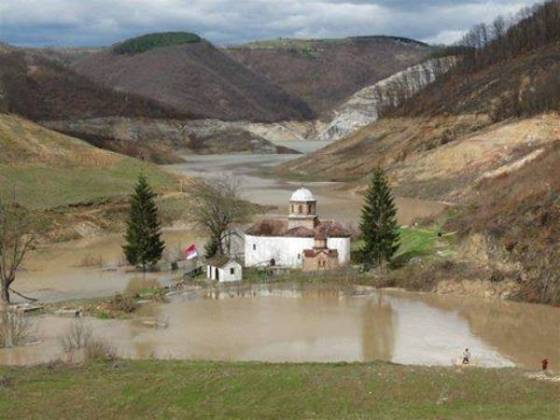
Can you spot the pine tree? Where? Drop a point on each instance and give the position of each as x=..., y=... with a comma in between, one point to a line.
x=379, y=222
x=144, y=245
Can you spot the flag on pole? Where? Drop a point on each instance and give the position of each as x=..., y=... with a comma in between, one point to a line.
x=190, y=252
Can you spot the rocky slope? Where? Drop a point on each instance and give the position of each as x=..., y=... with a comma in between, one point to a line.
x=434, y=158
x=326, y=72
x=194, y=78
x=363, y=107
x=163, y=141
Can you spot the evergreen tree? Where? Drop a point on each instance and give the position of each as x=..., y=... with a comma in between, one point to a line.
x=144, y=245
x=379, y=222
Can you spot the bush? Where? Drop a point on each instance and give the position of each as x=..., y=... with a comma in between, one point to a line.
x=99, y=350
x=15, y=329
x=122, y=303
x=78, y=337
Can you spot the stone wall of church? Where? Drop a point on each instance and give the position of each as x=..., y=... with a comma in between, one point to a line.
x=285, y=251
x=288, y=251
x=342, y=245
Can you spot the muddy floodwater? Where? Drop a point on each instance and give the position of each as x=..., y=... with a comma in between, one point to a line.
x=86, y=268
x=293, y=323
x=332, y=201
x=280, y=323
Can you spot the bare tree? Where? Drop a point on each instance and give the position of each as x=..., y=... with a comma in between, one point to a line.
x=16, y=240
x=216, y=205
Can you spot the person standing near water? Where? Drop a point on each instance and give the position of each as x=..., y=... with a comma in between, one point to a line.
x=466, y=357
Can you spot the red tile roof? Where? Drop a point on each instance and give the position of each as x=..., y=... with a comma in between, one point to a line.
x=279, y=227
x=312, y=253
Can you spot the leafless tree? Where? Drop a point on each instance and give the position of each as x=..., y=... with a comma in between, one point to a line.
x=16, y=240
x=216, y=205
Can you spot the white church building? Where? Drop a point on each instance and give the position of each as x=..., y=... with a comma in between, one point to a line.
x=299, y=241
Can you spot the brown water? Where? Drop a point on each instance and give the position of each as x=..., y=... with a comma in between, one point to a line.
x=57, y=272
x=290, y=323
x=65, y=271
x=333, y=202
x=287, y=323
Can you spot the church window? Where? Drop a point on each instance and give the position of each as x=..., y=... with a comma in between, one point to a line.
x=232, y=270
x=254, y=247
x=300, y=209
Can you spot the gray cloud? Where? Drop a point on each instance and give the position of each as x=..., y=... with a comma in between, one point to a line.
x=103, y=22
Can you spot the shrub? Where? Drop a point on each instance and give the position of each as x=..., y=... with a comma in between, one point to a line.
x=15, y=328
x=122, y=303
x=78, y=337
x=99, y=350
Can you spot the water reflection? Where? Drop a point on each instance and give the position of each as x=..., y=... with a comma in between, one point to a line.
x=297, y=323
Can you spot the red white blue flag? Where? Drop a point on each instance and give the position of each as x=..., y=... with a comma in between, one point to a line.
x=190, y=252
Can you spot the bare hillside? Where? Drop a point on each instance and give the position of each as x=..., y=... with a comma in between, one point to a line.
x=326, y=72
x=41, y=89
x=194, y=78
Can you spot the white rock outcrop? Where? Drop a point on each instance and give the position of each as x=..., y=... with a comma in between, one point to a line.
x=362, y=108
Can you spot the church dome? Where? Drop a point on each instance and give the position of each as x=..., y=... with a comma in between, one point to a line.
x=302, y=194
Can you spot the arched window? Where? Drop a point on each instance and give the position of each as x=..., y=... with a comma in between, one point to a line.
x=300, y=209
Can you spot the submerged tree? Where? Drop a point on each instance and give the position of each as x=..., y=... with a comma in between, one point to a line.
x=216, y=206
x=379, y=222
x=144, y=246
x=16, y=240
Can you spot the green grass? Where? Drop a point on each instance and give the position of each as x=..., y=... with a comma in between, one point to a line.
x=44, y=187
x=147, y=42
x=181, y=389
x=418, y=242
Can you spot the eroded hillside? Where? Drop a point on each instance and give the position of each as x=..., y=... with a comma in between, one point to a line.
x=326, y=72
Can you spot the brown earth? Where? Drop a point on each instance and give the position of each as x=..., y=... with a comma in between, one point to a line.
x=198, y=79
x=502, y=90
x=40, y=89
x=326, y=72
x=164, y=141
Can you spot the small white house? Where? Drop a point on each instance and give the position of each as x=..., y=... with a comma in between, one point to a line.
x=224, y=269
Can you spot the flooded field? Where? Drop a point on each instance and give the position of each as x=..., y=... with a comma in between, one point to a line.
x=333, y=203
x=287, y=323
x=291, y=323
x=86, y=268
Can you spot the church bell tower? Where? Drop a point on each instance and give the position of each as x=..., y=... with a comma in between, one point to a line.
x=303, y=210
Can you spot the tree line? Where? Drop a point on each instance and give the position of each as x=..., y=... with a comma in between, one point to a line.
x=506, y=38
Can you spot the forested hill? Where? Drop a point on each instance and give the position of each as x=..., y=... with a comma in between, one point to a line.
x=507, y=69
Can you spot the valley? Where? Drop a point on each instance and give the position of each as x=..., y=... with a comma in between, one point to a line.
x=369, y=219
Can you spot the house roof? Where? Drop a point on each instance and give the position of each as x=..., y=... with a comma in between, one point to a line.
x=220, y=261
x=279, y=227
x=312, y=253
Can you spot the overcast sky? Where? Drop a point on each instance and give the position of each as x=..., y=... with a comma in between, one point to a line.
x=224, y=22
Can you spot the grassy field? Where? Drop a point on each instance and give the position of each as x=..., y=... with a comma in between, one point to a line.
x=43, y=187
x=178, y=389
x=47, y=169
